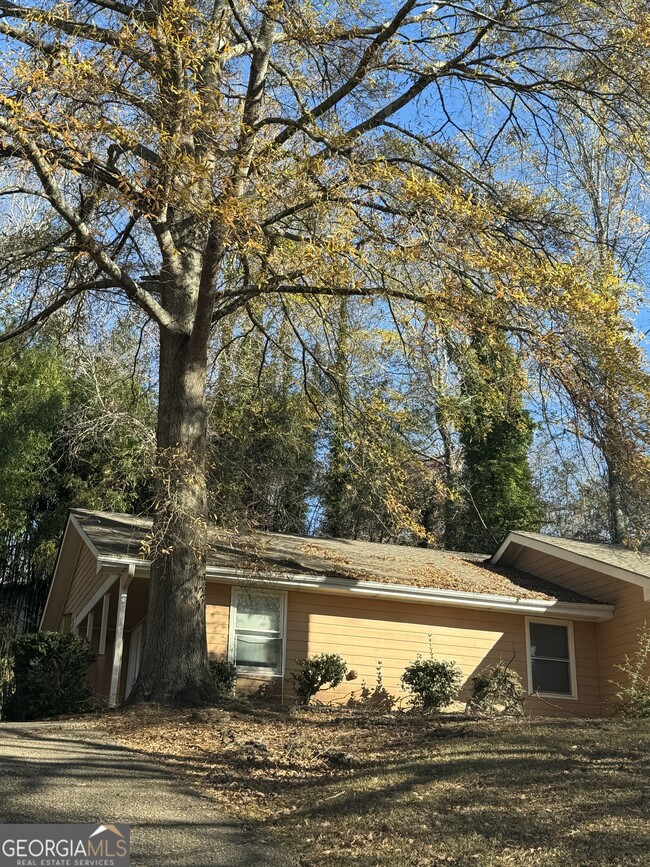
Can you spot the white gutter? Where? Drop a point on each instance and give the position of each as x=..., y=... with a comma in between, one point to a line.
x=396, y=592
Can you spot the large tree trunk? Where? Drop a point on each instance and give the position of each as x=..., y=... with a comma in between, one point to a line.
x=175, y=660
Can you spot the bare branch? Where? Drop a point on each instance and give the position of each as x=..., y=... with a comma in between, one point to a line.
x=66, y=296
x=85, y=237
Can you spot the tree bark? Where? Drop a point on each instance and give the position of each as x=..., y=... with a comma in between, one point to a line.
x=614, y=503
x=175, y=659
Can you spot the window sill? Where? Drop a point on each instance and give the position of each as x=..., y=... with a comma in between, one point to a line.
x=555, y=695
x=244, y=671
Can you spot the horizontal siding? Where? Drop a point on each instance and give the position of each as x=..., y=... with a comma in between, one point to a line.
x=616, y=637
x=368, y=631
x=619, y=637
x=365, y=632
x=217, y=613
x=85, y=583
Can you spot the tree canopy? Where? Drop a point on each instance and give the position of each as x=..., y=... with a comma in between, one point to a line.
x=201, y=160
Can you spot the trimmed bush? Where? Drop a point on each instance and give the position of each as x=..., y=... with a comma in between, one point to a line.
x=315, y=673
x=49, y=673
x=496, y=690
x=433, y=682
x=224, y=675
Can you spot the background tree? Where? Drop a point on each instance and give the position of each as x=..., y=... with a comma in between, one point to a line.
x=75, y=430
x=496, y=433
x=262, y=434
x=604, y=185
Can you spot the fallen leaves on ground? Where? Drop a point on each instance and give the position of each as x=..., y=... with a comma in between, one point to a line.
x=341, y=787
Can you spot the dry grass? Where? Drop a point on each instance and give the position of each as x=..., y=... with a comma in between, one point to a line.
x=343, y=788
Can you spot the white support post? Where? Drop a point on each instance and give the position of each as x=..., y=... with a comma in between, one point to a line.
x=106, y=604
x=125, y=580
x=89, y=626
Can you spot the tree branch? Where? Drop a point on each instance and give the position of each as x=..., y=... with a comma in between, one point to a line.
x=90, y=32
x=46, y=175
x=57, y=304
x=370, y=54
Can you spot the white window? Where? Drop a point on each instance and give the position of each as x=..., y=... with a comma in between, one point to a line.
x=257, y=630
x=551, y=659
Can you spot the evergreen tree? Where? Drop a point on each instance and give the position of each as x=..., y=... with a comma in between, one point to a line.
x=496, y=433
x=71, y=434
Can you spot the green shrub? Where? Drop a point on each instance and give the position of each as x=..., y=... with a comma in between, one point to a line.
x=49, y=671
x=376, y=699
x=224, y=675
x=433, y=682
x=313, y=674
x=497, y=689
x=634, y=695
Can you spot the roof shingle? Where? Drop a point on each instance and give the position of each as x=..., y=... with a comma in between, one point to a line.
x=121, y=536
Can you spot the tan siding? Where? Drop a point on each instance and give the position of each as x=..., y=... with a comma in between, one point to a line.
x=85, y=583
x=616, y=637
x=366, y=631
x=217, y=599
x=217, y=619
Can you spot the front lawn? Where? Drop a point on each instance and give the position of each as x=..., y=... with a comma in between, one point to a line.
x=342, y=788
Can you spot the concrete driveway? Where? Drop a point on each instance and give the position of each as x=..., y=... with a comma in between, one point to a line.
x=57, y=773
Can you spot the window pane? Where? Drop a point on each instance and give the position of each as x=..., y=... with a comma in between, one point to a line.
x=547, y=640
x=258, y=651
x=551, y=676
x=258, y=611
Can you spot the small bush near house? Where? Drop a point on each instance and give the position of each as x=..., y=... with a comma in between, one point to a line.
x=433, y=682
x=224, y=675
x=378, y=698
x=496, y=690
x=634, y=695
x=315, y=673
x=49, y=671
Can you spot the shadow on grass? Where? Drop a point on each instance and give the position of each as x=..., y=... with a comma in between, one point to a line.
x=571, y=792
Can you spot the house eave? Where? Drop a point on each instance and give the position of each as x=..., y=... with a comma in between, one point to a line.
x=422, y=595
x=593, y=563
x=383, y=590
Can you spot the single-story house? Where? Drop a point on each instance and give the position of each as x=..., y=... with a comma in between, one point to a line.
x=563, y=613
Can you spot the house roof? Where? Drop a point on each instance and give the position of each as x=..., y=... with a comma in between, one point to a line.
x=124, y=537
x=637, y=562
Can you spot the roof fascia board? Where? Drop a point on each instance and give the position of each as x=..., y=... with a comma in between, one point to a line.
x=383, y=590
x=593, y=563
x=112, y=561
x=86, y=538
x=56, y=566
x=425, y=595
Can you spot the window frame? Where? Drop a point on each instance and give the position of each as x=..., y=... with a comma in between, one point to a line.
x=232, y=630
x=568, y=624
